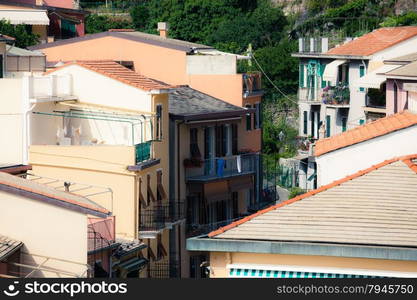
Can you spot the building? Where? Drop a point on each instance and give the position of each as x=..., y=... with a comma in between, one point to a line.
x=359, y=148
x=332, y=95
x=213, y=165
x=359, y=226
x=50, y=19
x=61, y=216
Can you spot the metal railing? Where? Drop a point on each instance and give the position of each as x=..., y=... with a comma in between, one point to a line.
x=164, y=269
x=101, y=233
x=220, y=167
x=51, y=86
x=158, y=215
x=143, y=151
x=336, y=95
x=194, y=229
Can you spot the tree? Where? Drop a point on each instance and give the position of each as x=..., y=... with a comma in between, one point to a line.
x=99, y=23
x=24, y=37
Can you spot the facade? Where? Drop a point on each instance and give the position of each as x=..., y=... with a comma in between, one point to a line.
x=50, y=20
x=344, y=232
x=341, y=88
x=60, y=217
x=212, y=165
x=365, y=145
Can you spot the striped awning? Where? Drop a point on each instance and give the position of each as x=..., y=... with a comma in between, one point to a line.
x=28, y=17
x=255, y=273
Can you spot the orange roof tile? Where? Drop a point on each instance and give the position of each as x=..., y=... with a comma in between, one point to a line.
x=375, y=41
x=407, y=159
x=366, y=132
x=116, y=71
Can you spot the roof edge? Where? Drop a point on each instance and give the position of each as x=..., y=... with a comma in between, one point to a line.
x=406, y=159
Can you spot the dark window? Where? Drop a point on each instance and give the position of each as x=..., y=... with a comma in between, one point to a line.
x=194, y=149
x=207, y=142
x=235, y=208
x=305, y=122
x=221, y=140
x=361, y=74
x=158, y=127
x=257, y=116
x=248, y=119
x=395, y=98
x=234, y=139
x=344, y=124
x=328, y=119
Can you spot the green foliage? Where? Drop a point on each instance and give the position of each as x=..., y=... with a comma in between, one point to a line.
x=23, y=35
x=295, y=191
x=99, y=23
x=410, y=18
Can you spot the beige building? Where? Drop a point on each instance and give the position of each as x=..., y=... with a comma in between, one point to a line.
x=43, y=230
x=359, y=226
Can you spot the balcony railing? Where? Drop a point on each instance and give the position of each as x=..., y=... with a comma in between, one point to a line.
x=202, y=229
x=143, y=151
x=101, y=233
x=337, y=95
x=252, y=83
x=51, y=87
x=222, y=167
x=158, y=215
x=164, y=269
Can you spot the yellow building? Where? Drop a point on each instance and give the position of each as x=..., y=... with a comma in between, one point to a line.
x=359, y=226
x=107, y=125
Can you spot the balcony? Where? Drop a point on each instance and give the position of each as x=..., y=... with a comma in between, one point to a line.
x=220, y=168
x=101, y=234
x=164, y=269
x=159, y=215
x=338, y=96
x=51, y=88
x=252, y=85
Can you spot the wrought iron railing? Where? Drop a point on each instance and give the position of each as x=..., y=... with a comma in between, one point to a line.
x=158, y=215
x=164, y=269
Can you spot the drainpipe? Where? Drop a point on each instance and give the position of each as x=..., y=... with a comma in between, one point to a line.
x=26, y=120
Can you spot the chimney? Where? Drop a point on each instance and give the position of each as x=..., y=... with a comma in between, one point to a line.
x=163, y=28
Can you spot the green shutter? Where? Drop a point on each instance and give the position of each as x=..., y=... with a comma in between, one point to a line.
x=301, y=74
x=361, y=121
x=323, y=82
x=344, y=124
x=361, y=74
x=328, y=126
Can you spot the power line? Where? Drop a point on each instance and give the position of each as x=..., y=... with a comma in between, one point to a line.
x=269, y=79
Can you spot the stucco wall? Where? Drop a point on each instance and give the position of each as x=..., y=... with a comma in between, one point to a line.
x=401, y=96
x=346, y=161
x=50, y=231
x=219, y=261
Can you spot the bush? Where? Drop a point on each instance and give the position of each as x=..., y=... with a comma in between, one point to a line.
x=295, y=191
x=23, y=35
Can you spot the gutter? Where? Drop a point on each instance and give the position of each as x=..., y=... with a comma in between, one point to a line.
x=212, y=116
x=334, y=56
x=203, y=243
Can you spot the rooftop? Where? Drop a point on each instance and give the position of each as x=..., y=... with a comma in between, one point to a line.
x=188, y=103
x=116, y=71
x=366, y=132
x=8, y=247
x=408, y=70
x=45, y=193
x=375, y=41
x=361, y=209
x=137, y=36
x=405, y=59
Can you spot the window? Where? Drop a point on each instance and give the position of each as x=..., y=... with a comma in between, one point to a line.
x=257, y=116
x=343, y=77
x=208, y=143
x=234, y=139
x=248, y=119
x=158, y=127
x=221, y=141
x=361, y=74
x=235, y=205
x=395, y=98
x=344, y=124
x=301, y=76
x=194, y=149
x=305, y=122
x=328, y=119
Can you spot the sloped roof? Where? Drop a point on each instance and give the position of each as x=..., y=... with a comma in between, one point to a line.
x=366, y=132
x=375, y=41
x=404, y=59
x=365, y=208
x=116, y=71
x=136, y=36
x=409, y=70
x=8, y=246
x=187, y=102
x=45, y=193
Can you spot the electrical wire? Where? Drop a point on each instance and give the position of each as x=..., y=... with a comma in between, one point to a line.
x=269, y=79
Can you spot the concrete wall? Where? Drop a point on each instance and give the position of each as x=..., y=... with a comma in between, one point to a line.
x=338, y=164
x=51, y=231
x=401, y=96
x=211, y=64
x=219, y=261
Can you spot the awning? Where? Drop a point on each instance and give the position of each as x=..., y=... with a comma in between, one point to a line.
x=28, y=17
x=331, y=70
x=375, y=78
x=285, y=271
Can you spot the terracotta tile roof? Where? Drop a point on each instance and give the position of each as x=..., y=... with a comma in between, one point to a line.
x=40, y=189
x=366, y=132
x=375, y=41
x=408, y=160
x=116, y=71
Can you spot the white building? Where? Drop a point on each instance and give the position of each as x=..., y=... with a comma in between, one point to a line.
x=332, y=99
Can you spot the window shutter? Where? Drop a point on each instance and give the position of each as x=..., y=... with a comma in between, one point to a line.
x=301, y=74
x=328, y=118
x=323, y=82
x=248, y=119
x=218, y=141
x=234, y=139
x=305, y=122
x=361, y=74
x=207, y=143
